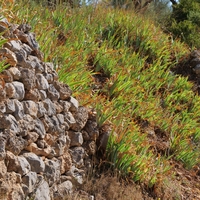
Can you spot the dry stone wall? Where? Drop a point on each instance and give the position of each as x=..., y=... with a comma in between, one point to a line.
x=46, y=138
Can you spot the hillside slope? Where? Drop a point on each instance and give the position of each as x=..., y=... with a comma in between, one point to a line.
x=124, y=67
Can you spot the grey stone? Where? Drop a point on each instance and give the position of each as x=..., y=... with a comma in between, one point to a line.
x=42, y=83
x=69, y=118
x=60, y=145
x=50, y=66
x=81, y=117
x=31, y=137
x=77, y=153
x=29, y=180
x=65, y=104
x=24, y=166
x=17, y=164
x=28, y=78
x=38, y=66
x=76, y=175
x=52, y=171
x=74, y=104
x=9, y=122
x=19, y=110
x=26, y=48
x=50, y=107
x=43, y=191
x=49, y=77
x=41, y=110
x=65, y=91
x=36, y=162
x=39, y=128
x=56, y=127
x=27, y=123
x=48, y=124
x=10, y=106
x=58, y=107
x=31, y=108
x=43, y=94
x=76, y=138
x=13, y=45
x=16, y=74
x=52, y=93
x=64, y=189
x=21, y=56
x=32, y=42
x=9, y=90
x=41, y=143
x=15, y=144
x=19, y=90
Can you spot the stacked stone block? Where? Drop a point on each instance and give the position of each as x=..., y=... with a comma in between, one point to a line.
x=46, y=137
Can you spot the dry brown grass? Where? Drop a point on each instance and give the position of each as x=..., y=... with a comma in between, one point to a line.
x=108, y=187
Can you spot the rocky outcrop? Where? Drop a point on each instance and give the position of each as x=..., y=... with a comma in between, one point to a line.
x=46, y=137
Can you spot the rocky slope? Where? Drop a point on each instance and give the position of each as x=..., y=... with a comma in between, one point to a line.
x=47, y=140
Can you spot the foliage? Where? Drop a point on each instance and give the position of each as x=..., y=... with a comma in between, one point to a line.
x=185, y=22
x=135, y=58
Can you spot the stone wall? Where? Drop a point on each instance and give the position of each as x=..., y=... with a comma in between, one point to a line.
x=46, y=138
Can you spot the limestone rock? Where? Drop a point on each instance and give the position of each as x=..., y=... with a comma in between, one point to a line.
x=29, y=180
x=28, y=78
x=63, y=190
x=9, y=90
x=30, y=108
x=19, y=110
x=17, y=164
x=74, y=104
x=8, y=121
x=43, y=191
x=81, y=117
x=66, y=162
x=39, y=128
x=77, y=154
x=42, y=83
x=52, y=93
x=19, y=90
x=37, y=164
x=16, y=74
x=41, y=110
x=76, y=138
x=50, y=107
x=39, y=151
x=65, y=91
x=10, y=106
x=52, y=171
x=33, y=95
x=15, y=144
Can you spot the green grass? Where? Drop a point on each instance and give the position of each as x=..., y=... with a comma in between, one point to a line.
x=136, y=57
